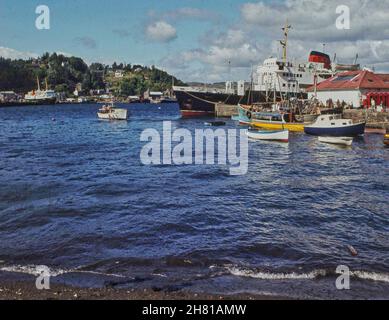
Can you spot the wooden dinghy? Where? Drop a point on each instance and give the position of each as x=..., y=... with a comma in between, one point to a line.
x=279, y=135
x=345, y=141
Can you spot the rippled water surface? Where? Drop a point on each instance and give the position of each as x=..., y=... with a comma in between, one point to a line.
x=75, y=196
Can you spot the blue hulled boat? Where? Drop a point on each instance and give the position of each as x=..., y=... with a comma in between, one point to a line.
x=335, y=126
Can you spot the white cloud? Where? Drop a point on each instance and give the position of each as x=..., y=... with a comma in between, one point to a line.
x=255, y=37
x=313, y=19
x=233, y=37
x=226, y=55
x=161, y=31
x=9, y=53
x=240, y=56
x=217, y=63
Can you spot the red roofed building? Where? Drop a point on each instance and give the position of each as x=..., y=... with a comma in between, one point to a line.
x=356, y=88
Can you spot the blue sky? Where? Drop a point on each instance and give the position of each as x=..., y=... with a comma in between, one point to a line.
x=98, y=20
x=194, y=39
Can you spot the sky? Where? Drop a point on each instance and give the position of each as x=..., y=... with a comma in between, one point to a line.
x=197, y=40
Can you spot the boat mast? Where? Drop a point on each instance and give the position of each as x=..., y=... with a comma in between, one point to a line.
x=251, y=84
x=284, y=43
x=171, y=92
x=275, y=91
x=315, y=83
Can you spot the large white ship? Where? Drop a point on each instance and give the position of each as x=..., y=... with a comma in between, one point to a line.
x=276, y=78
x=285, y=77
x=41, y=96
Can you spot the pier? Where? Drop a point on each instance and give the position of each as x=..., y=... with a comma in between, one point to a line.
x=375, y=120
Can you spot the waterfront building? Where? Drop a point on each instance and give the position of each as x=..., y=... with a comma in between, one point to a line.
x=153, y=96
x=7, y=96
x=119, y=74
x=356, y=88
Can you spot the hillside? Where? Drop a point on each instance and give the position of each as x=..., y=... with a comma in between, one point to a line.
x=64, y=74
x=135, y=80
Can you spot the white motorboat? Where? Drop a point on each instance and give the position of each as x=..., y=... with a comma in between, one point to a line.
x=335, y=126
x=282, y=135
x=346, y=141
x=112, y=113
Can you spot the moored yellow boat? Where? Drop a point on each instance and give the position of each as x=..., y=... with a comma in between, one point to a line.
x=276, y=121
x=269, y=120
x=291, y=126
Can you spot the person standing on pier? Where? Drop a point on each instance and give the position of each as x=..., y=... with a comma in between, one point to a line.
x=373, y=104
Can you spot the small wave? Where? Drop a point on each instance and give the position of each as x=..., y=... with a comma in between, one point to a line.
x=365, y=275
x=54, y=272
x=159, y=275
x=275, y=276
x=33, y=270
x=382, y=277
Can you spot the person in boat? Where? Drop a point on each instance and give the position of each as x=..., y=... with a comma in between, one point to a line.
x=106, y=109
x=317, y=110
x=380, y=108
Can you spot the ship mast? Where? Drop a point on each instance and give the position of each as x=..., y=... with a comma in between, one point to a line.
x=284, y=43
x=37, y=81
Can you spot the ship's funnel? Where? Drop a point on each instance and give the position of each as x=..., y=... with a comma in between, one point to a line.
x=320, y=57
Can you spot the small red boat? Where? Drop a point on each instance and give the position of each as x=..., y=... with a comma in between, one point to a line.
x=196, y=113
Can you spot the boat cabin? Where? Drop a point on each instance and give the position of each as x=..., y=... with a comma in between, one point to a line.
x=332, y=120
x=273, y=117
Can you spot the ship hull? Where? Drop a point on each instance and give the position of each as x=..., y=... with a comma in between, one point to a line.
x=196, y=113
x=344, y=131
x=115, y=114
x=41, y=101
x=28, y=103
x=294, y=127
x=200, y=104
